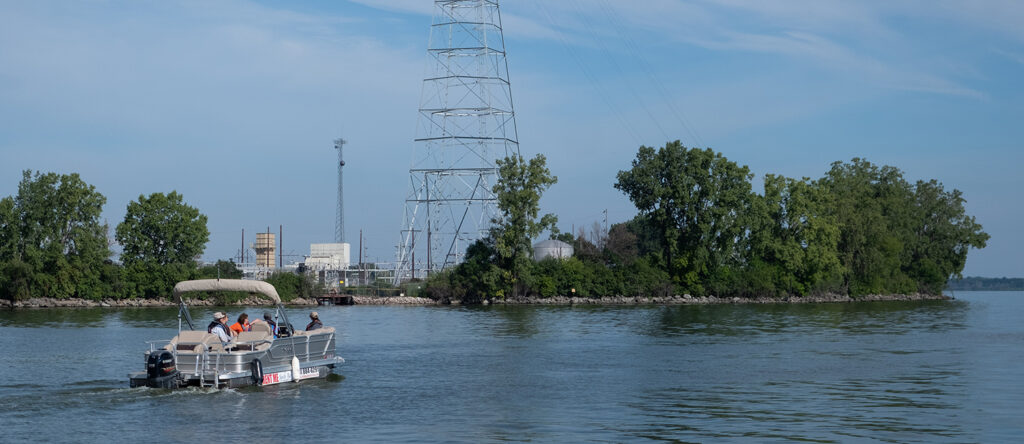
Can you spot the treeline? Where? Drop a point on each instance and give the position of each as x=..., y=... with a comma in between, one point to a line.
x=986, y=284
x=702, y=230
x=54, y=245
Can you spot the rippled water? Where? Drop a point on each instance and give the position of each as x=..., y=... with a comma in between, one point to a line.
x=889, y=372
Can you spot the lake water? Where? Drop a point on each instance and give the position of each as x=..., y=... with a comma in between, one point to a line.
x=885, y=372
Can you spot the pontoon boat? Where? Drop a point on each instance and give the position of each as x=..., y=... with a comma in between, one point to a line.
x=260, y=356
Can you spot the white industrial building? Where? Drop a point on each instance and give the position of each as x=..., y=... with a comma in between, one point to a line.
x=328, y=257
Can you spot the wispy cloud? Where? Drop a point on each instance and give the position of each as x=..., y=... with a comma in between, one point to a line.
x=847, y=39
x=406, y=6
x=1014, y=56
x=205, y=98
x=515, y=25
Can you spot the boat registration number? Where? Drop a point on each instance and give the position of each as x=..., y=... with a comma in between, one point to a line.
x=306, y=373
x=286, y=376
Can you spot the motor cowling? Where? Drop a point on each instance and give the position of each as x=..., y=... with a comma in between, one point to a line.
x=161, y=370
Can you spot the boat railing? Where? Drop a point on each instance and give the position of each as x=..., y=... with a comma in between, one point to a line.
x=250, y=344
x=158, y=344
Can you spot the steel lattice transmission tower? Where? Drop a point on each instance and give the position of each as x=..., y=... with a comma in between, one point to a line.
x=466, y=123
x=339, y=224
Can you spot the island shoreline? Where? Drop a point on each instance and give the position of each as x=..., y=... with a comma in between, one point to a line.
x=417, y=301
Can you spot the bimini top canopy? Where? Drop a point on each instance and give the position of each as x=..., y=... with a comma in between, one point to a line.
x=226, y=285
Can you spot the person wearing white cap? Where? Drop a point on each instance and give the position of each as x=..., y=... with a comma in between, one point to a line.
x=219, y=327
x=314, y=321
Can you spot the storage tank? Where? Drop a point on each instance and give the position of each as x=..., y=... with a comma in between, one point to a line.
x=551, y=248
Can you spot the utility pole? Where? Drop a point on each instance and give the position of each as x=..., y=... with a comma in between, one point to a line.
x=606, y=222
x=339, y=225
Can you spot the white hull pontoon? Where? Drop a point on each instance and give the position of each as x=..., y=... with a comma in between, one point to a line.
x=256, y=357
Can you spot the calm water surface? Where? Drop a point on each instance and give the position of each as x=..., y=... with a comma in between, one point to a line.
x=885, y=372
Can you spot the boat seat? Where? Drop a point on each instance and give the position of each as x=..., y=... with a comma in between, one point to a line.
x=191, y=341
x=253, y=338
x=318, y=331
x=260, y=325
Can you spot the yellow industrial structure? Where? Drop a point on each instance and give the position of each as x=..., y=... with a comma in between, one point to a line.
x=265, y=250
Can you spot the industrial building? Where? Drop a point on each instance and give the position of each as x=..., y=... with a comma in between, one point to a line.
x=334, y=256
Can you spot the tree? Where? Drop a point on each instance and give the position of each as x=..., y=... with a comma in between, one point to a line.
x=896, y=237
x=161, y=238
x=519, y=188
x=621, y=245
x=51, y=238
x=794, y=237
x=291, y=285
x=942, y=234
x=10, y=237
x=695, y=200
x=477, y=278
x=161, y=229
x=222, y=269
x=872, y=206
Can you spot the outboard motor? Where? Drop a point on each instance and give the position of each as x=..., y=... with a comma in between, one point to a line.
x=161, y=371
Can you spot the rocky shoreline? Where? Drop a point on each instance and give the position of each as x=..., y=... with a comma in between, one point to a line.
x=711, y=300
x=404, y=300
x=415, y=301
x=251, y=301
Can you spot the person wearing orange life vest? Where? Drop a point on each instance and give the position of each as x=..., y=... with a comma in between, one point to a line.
x=241, y=325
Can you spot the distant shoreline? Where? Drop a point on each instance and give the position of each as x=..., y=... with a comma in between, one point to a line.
x=977, y=283
x=713, y=300
x=414, y=301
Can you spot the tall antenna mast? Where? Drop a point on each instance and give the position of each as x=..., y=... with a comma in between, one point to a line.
x=466, y=123
x=339, y=225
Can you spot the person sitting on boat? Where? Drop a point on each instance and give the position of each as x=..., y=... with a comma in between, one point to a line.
x=219, y=327
x=241, y=325
x=270, y=320
x=314, y=322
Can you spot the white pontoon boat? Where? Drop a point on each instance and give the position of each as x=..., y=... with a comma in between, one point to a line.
x=198, y=358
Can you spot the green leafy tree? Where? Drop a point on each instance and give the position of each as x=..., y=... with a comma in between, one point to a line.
x=477, y=278
x=794, y=238
x=942, y=233
x=291, y=285
x=162, y=229
x=161, y=238
x=52, y=240
x=695, y=201
x=518, y=190
x=10, y=236
x=222, y=269
x=873, y=206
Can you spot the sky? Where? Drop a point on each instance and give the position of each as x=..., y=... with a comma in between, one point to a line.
x=235, y=103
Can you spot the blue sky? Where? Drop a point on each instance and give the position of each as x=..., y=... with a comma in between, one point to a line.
x=235, y=103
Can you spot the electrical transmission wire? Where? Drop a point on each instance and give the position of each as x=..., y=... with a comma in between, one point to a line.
x=590, y=76
x=591, y=26
x=634, y=50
